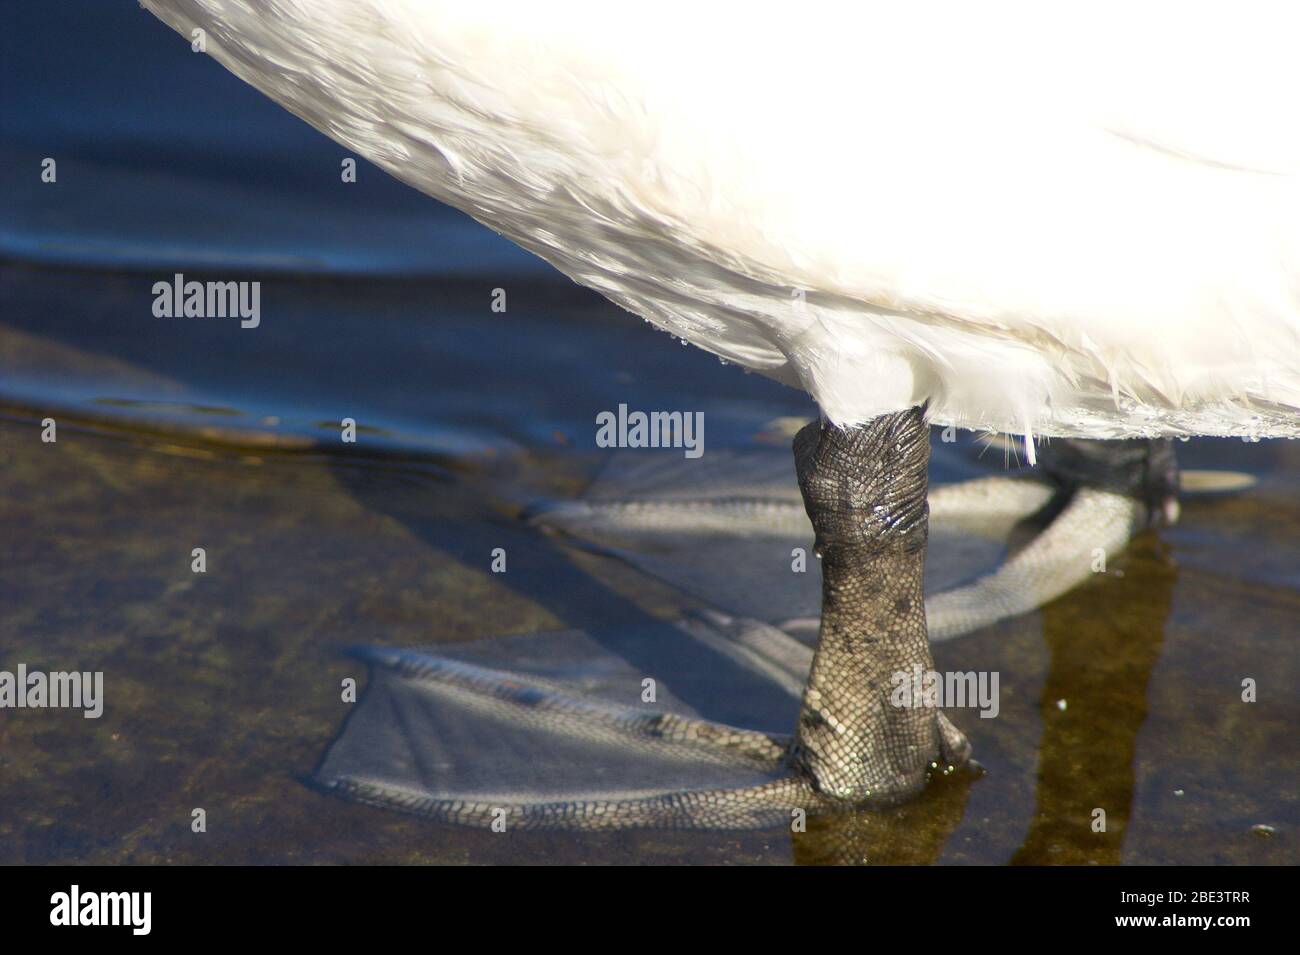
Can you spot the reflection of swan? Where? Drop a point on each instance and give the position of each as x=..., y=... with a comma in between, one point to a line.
x=910, y=215
x=1110, y=671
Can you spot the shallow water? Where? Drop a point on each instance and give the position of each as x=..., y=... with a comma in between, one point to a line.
x=223, y=688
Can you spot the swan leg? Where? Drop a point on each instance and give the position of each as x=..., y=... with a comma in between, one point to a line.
x=1113, y=490
x=438, y=735
x=441, y=738
x=865, y=488
x=476, y=745
x=1146, y=471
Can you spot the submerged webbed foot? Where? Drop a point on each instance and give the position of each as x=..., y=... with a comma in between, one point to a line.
x=551, y=731
x=570, y=743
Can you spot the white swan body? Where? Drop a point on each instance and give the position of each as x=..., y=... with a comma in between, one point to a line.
x=1082, y=224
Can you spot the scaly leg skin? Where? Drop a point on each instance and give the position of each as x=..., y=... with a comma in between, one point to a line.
x=865, y=492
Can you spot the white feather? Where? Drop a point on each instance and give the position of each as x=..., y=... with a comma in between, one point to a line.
x=1038, y=219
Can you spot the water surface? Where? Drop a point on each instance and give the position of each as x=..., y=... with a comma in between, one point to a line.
x=223, y=688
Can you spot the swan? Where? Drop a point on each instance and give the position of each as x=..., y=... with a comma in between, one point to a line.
x=1006, y=217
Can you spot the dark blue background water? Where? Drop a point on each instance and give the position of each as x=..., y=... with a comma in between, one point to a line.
x=165, y=158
